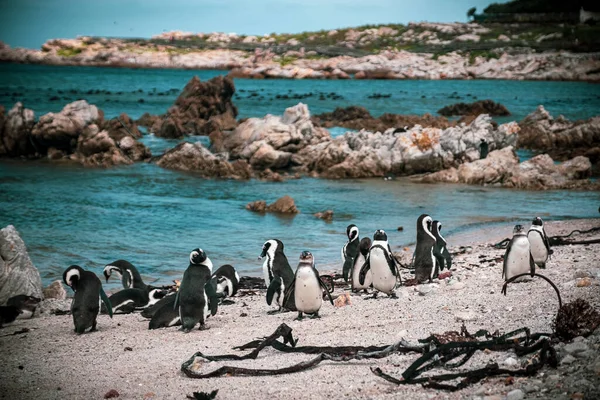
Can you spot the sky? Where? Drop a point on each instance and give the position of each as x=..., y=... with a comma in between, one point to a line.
x=29, y=23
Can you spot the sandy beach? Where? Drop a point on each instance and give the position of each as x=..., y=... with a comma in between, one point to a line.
x=52, y=362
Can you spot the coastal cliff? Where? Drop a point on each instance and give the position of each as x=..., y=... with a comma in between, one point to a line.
x=413, y=51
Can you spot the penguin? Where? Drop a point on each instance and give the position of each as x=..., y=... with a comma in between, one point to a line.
x=350, y=250
x=130, y=277
x=518, y=258
x=25, y=304
x=164, y=314
x=365, y=245
x=228, y=281
x=307, y=287
x=440, y=251
x=278, y=275
x=128, y=300
x=538, y=242
x=149, y=311
x=86, y=302
x=8, y=314
x=423, y=259
x=382, y=264
x=197, y=294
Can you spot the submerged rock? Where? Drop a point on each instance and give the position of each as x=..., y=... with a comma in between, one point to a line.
x=257, y=206
x=18, y=275
x=285, y=205
x=476, y=108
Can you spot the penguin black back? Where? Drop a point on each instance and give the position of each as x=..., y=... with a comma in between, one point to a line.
x=424, y=260
x=130, y=276
x=440, y=250
x=350, y=250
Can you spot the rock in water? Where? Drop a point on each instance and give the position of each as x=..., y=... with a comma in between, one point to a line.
x=16, y=131
x=284, y=204
x=479, y=107
x=18, y=275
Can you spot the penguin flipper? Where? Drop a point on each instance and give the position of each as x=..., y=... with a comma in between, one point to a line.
x=289, y=293
x=448, y=257
x=274, y=287
x=546, y=242
x=323, y=285
x=363, y=271
x=106, y=302
x=213, y=298
x=505, y=262
x=391, y=261
x=348, y=264
x=531, y=265
x=176, y=303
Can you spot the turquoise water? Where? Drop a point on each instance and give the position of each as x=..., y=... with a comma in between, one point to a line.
x=154, y=217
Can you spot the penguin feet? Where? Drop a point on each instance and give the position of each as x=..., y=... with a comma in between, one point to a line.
x=203, y=327
x=316, y=315
x=93, y=327
x=271, y=312
x=300, y=317
x=185, y=330
x=374, y=296
x=227, y=302
x=393, y=295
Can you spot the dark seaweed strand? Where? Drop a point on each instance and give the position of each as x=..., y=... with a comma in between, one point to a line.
x=541, y=276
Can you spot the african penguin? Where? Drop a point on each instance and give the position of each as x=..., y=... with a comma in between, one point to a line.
x=25, y=304
x=382, y=264
x=440, y=251
x=518, y=258
x=196, y=294
x=164, y=314
x=307, y=287
x=538, y=242
x=228, y=281
x=423, y=259
x=365, y=246
x=278, y=274
x=128, y=300
x=130, y=277
x=350, y=250
x=86, y=302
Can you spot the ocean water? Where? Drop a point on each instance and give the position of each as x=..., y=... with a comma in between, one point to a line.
x=154, y=217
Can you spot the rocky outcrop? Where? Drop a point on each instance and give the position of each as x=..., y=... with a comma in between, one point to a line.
x=357, y=117
x=502, y=168
x=196, y=158
x=122, y=126
x=559, y=137
x=476, y=108
x=283, y=205
x=272, y=141
x=15, y=131
x=367, y=154
x=18, y=275
x=200, y=109
x=55, y=290
x=259, y=206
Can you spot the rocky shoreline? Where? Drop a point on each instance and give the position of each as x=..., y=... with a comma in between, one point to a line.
x=296, y=144
x=415, y=51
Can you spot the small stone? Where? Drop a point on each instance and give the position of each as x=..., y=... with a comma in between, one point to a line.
x=507, y=308
x=493, y=397
x=481, y=391
x=510, y=362
x=577, y=396
x=576, y=347
x=128, y=348
x=516, y=394
x=403, y=333
x=531, y=389
x=111, y=394
x=457, y=286
x=465, y=316
x=581, y=274
x=325, y=215
x=342, y=300
x=588, y=354
x=584, y=282
x=568, y=359
x=424, y=290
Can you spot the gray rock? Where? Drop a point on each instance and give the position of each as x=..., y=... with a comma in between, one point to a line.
x=568, y=359
x=581, y=274
x=457, y=286
x=18, y=275
x=54, y=306
x=588, y=354
x=424, y=290
x=576, y=347
x=55, y=291
x=531, y=389
x=465, y=316
x=516, y=394
x=510, y=362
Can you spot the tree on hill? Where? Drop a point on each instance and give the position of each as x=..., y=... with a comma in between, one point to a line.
x=542, y=6
x=471, y=12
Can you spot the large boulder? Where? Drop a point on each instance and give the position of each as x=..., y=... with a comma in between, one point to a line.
x=271, y=142
x=18, y=275
x=418, y=150
x=200, y=109
x=476, y=108
x=196, y=158
x=122, y=126
x=95, y=148
x=61, y=131
x=15, y=131
x=561, y=138
x=502, y=168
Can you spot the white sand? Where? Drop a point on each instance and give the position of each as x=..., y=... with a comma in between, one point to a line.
x=58, y=364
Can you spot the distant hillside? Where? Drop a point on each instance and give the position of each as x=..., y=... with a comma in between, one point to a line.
x=542, y=6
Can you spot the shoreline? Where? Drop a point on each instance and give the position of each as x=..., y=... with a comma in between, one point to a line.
x=51, y=357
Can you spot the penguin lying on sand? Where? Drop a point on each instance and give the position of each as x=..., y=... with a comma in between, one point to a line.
x=130, y=277
x=307, y=287
x=8, y=314
x=228, y=281
x=382, y=264
x=350, y=251
x=164, y=314
x=197, y=293
x=25, y=304
x=440, y=251
x=538, y=242
x=129, y=300
x=518, y=258
x=86, y=302
x=278, y=275
x=364, y=247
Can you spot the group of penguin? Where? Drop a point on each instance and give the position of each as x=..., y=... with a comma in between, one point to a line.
x=366, y=263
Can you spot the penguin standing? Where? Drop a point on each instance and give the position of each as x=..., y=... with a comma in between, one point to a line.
x=228, y=281
x=364, y=247
x=440, y=251
x=423, y=259
x=350, y=250
x=518, y=258
x=278, y=275
x=307, y=287
x=382, y=264
x=130, y=277
x=86, y=302
x=196, y=295
x=538, y=242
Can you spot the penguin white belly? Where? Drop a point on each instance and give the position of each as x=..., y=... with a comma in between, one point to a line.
x=225, y=284
x=518, y=258
x=538, y=247
x=360, y=260
x=383, y=279
x=307, y=291
x=206, y=312
x=266, y=272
